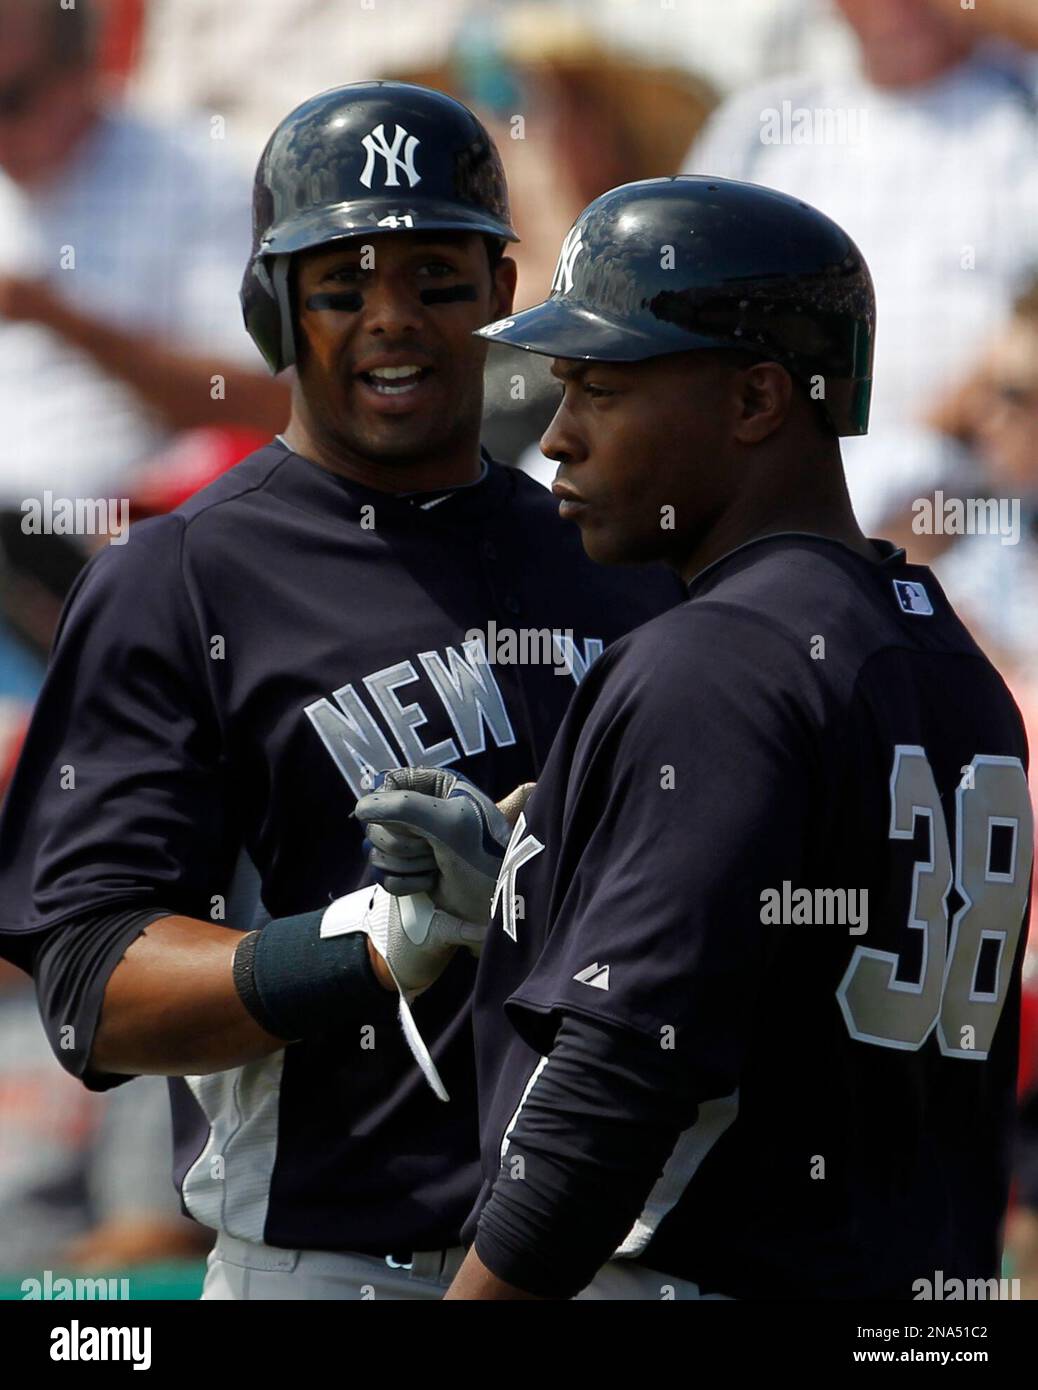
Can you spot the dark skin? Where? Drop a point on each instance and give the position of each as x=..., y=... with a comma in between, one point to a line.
x=170, y=1006
x=736, y=451
x=428, y=436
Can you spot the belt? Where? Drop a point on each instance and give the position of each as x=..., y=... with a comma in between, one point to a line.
x=428, y=1264
x=422, y=1264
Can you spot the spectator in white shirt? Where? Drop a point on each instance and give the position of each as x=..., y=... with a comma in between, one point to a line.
x=121, y=251
x=992, y=578
x=928, y=159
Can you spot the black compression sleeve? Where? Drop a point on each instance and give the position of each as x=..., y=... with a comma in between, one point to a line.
x=591, y=1138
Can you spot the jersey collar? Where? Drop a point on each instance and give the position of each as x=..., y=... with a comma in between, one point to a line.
x=307, y=484
x=890, y=556
x=425, y=501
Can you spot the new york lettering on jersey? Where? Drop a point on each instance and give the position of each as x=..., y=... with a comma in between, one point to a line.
x=465, y=684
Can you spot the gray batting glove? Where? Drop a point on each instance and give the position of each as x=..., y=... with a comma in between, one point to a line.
x=416, y=940
x=431, y=831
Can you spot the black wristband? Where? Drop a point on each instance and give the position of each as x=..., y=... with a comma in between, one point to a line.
x=296, y=984
x=245, y=984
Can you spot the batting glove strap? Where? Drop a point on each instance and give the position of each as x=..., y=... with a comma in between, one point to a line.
x=413, y=937
x=416, y=941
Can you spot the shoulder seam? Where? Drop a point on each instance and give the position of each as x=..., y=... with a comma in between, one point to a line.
x=243, y=492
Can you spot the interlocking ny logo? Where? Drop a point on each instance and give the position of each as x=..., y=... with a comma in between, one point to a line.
x=519, y=851
x=562, y=281
x=375, y=143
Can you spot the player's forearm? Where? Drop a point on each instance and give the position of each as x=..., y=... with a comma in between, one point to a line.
x=171, y=1007
x=189, y=997
x=474, y=1281
x=187, y=391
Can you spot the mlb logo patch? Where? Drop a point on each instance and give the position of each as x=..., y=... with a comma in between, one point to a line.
x=913, y=598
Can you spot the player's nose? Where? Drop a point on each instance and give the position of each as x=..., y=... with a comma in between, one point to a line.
x=390, y=308
x=562, y=440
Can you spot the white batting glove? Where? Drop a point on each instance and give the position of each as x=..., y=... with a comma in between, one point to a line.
x=416, y=939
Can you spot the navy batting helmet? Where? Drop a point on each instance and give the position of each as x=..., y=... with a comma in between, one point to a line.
x=672, y=265
x=358, y=161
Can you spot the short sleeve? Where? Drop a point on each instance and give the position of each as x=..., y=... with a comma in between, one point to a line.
x=689, y=795
x=117, y=799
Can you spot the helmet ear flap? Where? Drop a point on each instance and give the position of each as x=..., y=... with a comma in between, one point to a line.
x=280, y=279
x=266, y=301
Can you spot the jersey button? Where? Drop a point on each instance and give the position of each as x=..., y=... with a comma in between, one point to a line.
x=489, y=550
x=511, y=604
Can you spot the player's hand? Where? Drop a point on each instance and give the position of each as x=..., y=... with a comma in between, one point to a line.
x=431, y=831
x=415, y=940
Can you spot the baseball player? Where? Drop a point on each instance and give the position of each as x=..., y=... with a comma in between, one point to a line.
x=746, y=1019
x=177, y=864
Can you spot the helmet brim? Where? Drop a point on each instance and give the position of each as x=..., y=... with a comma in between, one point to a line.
x=370, y=217
x=561, y=328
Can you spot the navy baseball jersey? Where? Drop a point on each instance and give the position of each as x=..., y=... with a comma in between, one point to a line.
x=785, y=832
x=222, y=687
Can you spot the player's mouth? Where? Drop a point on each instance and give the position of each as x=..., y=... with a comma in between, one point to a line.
x=571, y=504
x=393, y=388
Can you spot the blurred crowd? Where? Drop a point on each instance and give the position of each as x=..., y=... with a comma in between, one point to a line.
x=128, y=133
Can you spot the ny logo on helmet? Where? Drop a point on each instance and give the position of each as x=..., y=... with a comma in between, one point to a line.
x=562, y=280
x=375, y=143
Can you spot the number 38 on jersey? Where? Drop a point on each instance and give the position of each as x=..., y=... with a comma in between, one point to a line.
x=990, y=868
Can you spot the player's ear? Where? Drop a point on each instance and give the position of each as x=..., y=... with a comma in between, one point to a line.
x=763, y=398
x=505, y=276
